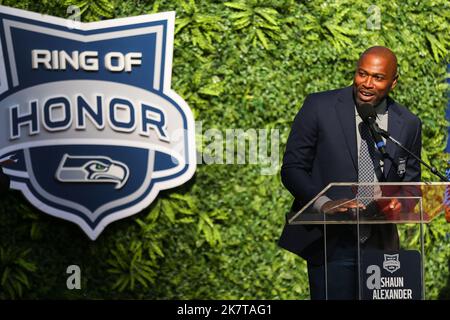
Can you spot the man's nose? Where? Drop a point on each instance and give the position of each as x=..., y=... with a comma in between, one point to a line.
x=368, y=83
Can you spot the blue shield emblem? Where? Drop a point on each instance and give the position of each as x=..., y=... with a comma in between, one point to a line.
x=89, y=117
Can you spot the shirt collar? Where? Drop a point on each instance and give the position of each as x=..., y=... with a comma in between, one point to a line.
x=381, y=108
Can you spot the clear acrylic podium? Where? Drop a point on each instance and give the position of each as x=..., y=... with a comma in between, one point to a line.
x=382, y=272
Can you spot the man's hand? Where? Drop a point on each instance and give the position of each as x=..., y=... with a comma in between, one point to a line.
x=342, y=205
x=390, y=207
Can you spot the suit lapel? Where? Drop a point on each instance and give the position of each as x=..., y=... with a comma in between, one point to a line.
x=345, y=110
x=395, y=128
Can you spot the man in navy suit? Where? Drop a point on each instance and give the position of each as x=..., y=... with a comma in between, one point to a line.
x=324, y=147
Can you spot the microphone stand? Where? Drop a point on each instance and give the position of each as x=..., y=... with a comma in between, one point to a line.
x=386, y=135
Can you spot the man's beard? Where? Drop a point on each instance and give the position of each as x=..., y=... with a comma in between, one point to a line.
x=373, y=103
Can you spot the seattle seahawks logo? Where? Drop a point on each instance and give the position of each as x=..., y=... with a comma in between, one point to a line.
x=95, y=169
x=89, y=115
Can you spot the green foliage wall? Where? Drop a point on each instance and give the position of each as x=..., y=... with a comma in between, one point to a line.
x=241, y=64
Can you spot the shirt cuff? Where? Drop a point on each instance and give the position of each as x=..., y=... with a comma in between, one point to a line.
x=320, y=202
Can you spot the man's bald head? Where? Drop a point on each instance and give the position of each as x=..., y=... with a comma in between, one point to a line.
x=375, y=75
x=384, y=52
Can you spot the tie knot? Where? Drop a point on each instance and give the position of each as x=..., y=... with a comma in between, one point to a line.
x=365, y=132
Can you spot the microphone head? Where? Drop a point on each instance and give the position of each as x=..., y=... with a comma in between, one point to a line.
x=367, y=112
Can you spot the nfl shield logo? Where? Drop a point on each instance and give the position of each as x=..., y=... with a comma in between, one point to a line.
x=89, y=116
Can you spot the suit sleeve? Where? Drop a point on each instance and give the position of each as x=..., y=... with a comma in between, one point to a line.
x=300, y=153
x=413, y=173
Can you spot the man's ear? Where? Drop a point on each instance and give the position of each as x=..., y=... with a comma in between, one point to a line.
x=394, y=83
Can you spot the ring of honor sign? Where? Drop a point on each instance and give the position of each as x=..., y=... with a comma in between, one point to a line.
x=88, y=115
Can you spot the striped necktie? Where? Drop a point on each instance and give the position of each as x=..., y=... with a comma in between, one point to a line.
x=366, y=171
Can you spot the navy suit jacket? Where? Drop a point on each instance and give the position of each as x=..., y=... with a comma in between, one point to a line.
x=322, y=149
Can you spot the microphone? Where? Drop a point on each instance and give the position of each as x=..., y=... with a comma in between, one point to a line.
x=386, y=134
x=368, y=115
